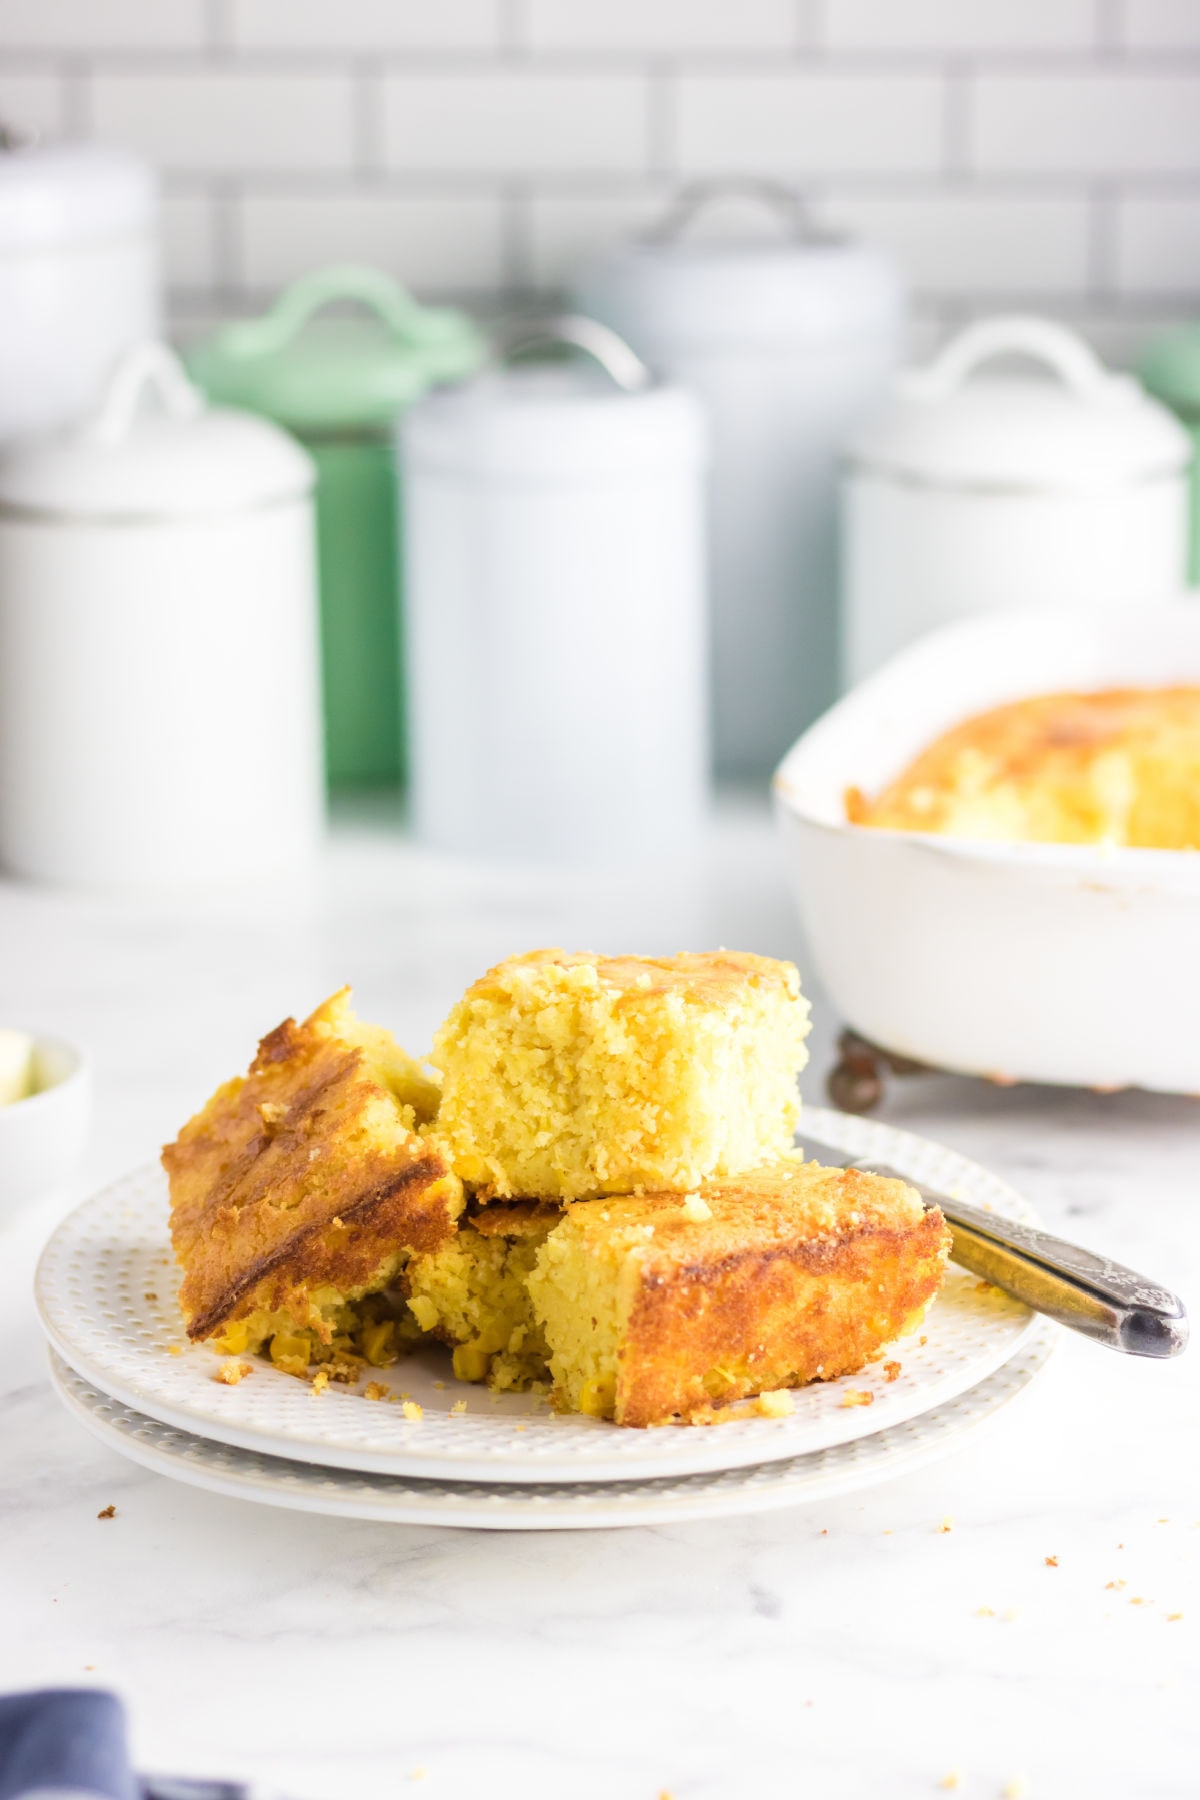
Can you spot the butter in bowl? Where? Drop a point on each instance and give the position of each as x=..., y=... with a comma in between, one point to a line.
x=954, y=925
x=45, y=1113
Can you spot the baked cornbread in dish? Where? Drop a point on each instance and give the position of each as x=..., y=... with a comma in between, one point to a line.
x=1118, y=767
x=658, y=1307
x=573, y=1075
x=300, y=1191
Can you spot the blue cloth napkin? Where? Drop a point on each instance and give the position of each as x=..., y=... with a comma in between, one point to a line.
x=73, y=1741
x=66, y=1739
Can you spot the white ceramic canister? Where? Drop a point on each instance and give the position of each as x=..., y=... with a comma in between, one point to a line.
x=970, y=493
x=555, y=616
x=790, y=341
x=159, y=710
x=79, y=276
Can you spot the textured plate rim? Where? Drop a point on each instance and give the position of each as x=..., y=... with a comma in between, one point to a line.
x=291, y=1486
x=669, y=1451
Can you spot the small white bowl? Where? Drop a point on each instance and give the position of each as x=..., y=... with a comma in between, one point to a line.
x=43, y=1137
x=1058, y=963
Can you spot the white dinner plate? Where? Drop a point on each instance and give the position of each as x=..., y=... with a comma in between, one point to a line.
x=546, y=1506
x=106, y=1294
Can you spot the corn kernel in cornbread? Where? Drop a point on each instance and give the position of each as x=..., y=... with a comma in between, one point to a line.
x=573, y=1075
x=472, y=1295
x=299, y=1192
x=800, y=1272
x=1119, y=767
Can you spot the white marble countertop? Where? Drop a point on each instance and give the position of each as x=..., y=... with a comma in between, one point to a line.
x=852, y=1649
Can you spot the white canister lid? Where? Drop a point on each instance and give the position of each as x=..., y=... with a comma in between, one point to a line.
x=700, y=294
x=1088, y=428
x=558, y=423
x=177, y=458
x=55, y=195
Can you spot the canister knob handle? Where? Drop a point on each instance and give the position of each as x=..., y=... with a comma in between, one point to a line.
x=612, y=352
x=394, y=306
x=788, y=202
x=1072, y=360
x=148, y=367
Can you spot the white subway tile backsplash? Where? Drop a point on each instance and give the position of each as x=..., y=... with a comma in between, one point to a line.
x=222, y=122
x=566, y=231
x=799, y=124
x=1088, y=123
x=32, y=104
x=453, y=242
x=954, y=244
x=941, y=26
x=79, y=25
x=500, y=123
x=189, y=241
x=661, y=25
x=1162, y=24
x=366, y=24
x=1158, y=245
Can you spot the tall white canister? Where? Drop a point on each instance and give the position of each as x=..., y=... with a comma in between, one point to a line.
x=971, y=492
x=159, y=710
x=554, y=610
x=80, y=280
x=790, y=339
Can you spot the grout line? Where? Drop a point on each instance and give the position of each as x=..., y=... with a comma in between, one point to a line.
x=75, y=79
x=367, y=115
x=958, y=105
x=661, y=90
x=1110, y=27
x=1102, y=247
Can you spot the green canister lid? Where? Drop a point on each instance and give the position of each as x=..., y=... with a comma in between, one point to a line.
x=1170, y=368
x=342, y=374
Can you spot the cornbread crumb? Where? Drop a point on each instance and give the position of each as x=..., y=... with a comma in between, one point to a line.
x=416, y=1775
x=1009, y=1614
x=174, y=1349
x=1015, y=1789
x=695, y=1207
x=1051, y=1562
x=776, y=1403
x=320, y=1381
x=947, y=1524
x=891, y=1371
x=459, y=1407
x=107, y=1512
x=857, y=1397
x=922, y=1341
x=1115, y=1584
x=232, y=1371
x=1172, y=1617
x=412, y=1410
x=985, y=1612
x=1139, y=1600
x=951, y=1779
x=375, y=1390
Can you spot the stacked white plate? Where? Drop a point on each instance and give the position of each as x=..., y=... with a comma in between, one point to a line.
x=122, y=1364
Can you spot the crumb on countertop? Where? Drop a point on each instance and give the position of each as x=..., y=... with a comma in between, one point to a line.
x=320, y=1381
x=1014, y=1788
x=459, y=1407
x=857, y=1397
x=891, y=1371
x=1172, y=1617
x=376, y=1390
x=1051, y=1562
x=947, y=1524
x=412, y=1410
x=951, y=1779
x=107, y=1512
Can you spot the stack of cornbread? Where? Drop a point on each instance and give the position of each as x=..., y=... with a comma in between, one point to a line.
x=600, y=1195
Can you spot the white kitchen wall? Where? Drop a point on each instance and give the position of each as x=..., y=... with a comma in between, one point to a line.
x=1014, y=153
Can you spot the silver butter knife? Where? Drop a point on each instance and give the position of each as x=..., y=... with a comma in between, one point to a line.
x=1087, y=1293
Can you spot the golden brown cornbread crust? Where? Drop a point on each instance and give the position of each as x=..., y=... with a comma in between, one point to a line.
x=302, y=1174
x=710, y=977
x=801, y=1273
x=1121, y=766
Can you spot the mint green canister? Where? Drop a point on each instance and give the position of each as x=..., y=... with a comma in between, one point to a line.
x=340, y=384
x=1170, y=369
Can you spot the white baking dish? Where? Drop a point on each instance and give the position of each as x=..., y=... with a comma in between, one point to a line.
x=1040, y=962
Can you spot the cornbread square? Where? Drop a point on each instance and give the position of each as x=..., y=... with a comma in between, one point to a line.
x=573, y=1075
x=654, y=1313
x=301, y=1189
x=472, y=1294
